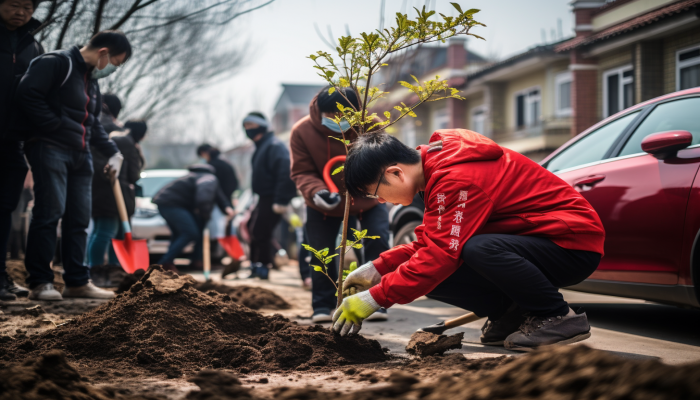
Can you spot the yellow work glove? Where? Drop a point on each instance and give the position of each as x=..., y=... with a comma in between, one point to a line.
x=352, y=311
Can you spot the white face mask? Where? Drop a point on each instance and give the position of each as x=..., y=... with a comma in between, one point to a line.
x=104, y=72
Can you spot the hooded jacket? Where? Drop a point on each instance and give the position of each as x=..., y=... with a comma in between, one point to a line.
x=271, y=170
x=312, y=147
x=197, y=192
x=224, y=173
x=474, y=186
x=63, y=102
x=15, y=55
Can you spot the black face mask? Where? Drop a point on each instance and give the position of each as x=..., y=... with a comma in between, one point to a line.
x=251, y=133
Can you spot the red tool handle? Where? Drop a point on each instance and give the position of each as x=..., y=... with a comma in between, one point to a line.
x=327, y=172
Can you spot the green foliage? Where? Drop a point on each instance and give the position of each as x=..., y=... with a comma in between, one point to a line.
x=358, y=59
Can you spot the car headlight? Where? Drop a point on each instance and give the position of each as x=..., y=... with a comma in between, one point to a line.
x=145, y=213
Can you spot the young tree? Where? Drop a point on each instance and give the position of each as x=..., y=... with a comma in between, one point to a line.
x=357, y=62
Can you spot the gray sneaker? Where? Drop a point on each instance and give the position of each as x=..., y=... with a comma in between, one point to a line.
x=89, y=291
x=538, y=331
x=493, y=333
x=45, y=291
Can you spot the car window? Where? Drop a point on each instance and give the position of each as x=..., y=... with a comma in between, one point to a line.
x=672, y=116
x=151, y=185
x=591, y=148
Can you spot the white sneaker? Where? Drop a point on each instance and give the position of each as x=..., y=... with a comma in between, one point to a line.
x=321, y=318
x=380, y=315
x=89, y=291
x=45, y=291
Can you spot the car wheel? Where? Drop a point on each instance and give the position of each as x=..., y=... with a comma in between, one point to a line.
x=405, y=235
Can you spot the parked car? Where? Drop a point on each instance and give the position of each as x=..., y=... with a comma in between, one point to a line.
x=638, y=170
x=147, y=222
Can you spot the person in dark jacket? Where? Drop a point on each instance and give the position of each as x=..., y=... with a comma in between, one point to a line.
x=17, y=48
x=60, y=96
x=111, y=107
x=104, y=207
x=186, y=205
x=227, y=181
x=274, y=187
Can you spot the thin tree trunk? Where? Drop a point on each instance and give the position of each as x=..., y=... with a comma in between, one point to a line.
x=343, y=243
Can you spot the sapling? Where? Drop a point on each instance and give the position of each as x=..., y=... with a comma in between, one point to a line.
x=356, y=63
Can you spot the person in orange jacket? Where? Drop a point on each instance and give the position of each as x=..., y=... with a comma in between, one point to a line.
x=500, y=235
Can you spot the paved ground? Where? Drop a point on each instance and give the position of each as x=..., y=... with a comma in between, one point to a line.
x=628, y=327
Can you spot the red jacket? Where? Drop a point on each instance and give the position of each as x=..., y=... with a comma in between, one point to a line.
x=474, y=186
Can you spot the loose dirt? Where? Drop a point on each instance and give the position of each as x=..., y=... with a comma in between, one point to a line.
x=424, y=344
x=162, y=325
x=255, y=298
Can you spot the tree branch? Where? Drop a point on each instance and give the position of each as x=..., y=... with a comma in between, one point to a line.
x=66, y=23
x=98, y=16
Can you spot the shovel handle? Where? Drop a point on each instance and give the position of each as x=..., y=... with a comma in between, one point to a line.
x=464, y=319
x=119, y=198
x=206, y=253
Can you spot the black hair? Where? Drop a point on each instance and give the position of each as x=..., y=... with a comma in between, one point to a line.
x=35, y=3
x=204, y=148
x=137, y=128
x=369, y=155
x=327, y=103
x=112, y=104
x=115, y=41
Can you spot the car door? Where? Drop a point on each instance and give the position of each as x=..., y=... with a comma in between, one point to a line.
x=642, y=200
x=575, y=164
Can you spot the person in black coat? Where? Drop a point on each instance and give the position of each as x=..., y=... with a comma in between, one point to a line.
x=17, y=49
x=104, y=207
x=274, y=187
x=60, y=98
x=227, y=181
x=186, y=205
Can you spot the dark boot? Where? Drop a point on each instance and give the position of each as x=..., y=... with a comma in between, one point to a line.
x=493, y=333
x=540, y=331
x=5, y=285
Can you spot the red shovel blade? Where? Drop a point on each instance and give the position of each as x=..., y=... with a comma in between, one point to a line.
x=232, y=246
x=132, y=254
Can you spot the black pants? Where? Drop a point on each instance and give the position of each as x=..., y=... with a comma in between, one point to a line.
x=13, y=170
x=322, y=232
x=261, y=226
x=501, y=269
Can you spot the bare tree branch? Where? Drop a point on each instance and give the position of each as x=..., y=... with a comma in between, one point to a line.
x=66, y=23
x=98, y=16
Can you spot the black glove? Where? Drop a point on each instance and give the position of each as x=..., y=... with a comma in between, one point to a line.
x=326, y=200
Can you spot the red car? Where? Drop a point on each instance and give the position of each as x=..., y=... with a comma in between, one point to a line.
x=638, y=170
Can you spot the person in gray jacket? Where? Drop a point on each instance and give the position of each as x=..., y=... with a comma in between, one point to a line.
x=186, y=205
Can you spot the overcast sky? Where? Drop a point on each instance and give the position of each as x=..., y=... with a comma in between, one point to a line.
x=281, y=35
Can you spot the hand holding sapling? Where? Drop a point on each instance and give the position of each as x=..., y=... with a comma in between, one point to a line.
x=361, y=279
x=352, y=311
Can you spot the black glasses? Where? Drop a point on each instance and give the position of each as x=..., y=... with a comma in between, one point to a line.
x=374, y=196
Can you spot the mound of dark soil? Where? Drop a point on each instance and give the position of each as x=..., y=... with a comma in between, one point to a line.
x=251, y=297
x=51, y=377
x=164, y=325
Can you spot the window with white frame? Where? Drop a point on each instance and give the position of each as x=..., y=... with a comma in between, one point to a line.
x=441, y=119
x=527, y=108
x=688, y=68
x=478, y=120
x=562, y=94
x=618, y=90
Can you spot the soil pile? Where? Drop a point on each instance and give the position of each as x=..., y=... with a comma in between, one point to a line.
x=51, y=377
x=251, y=297
x=425, y=344
x=164, y=325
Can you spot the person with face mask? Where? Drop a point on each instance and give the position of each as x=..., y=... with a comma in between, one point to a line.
x=59, y=95
x=313, y=145
x=17, y=48
x=274, y=188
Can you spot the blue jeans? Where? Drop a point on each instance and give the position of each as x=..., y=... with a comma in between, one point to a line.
x=322, y=232
x=62, y=190
x=14, y=170
x=185, y=228
x=105, y=229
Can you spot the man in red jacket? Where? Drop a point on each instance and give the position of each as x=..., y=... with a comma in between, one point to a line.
x=500, y=235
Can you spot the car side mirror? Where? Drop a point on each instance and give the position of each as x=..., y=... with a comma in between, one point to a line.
x=664, y=145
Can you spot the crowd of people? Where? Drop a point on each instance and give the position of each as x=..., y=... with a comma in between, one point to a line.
x=491, y=242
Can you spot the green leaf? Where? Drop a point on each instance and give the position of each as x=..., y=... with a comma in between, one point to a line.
x=323, y=252
x=372, y=237
x=338, y=170
x=353, y=266
x=357, y=246
x=457, y=7
x=387, y=114
x=317, y=268
x=331, y=90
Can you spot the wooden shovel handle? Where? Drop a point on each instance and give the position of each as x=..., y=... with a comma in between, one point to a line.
x=119, y=197
x=464, y=319
x=206, y=251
